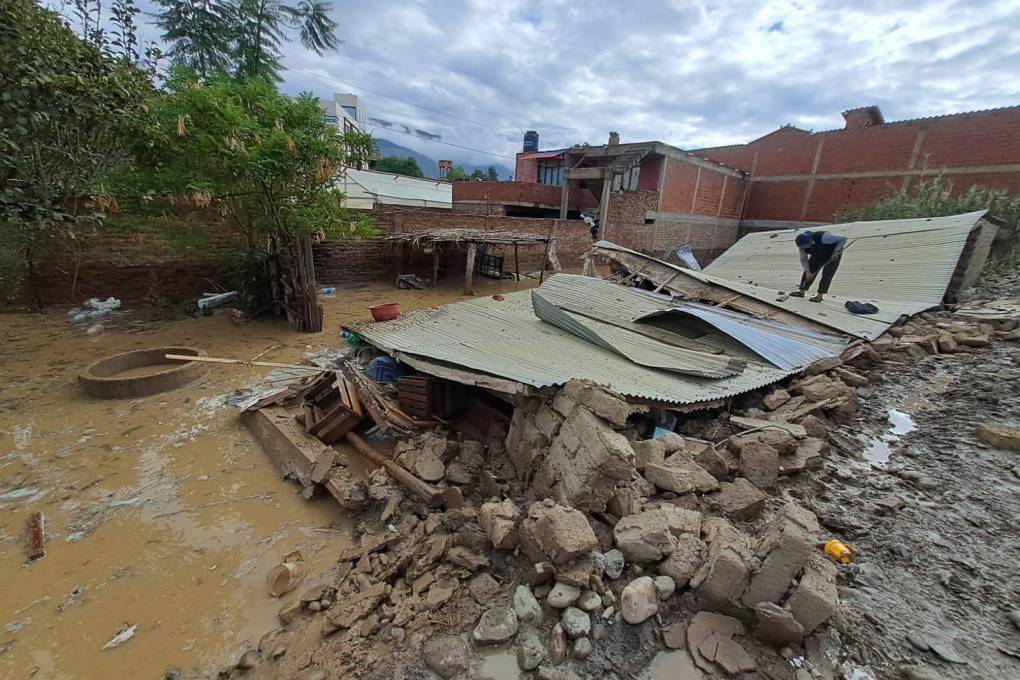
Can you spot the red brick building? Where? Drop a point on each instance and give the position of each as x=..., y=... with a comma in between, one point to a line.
x=797, y=175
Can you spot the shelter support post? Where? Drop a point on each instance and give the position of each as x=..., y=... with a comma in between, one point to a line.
x=435, y=265
x=517, y=264
x=469, y=269
x=564, y=198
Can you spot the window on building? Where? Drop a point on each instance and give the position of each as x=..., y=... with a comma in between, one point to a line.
x=351, y=111
x=626, y=181
x=551, y=172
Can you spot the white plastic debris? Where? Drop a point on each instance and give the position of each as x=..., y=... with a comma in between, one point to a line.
x=123, y=636
x=103, y=306
x=210, y=300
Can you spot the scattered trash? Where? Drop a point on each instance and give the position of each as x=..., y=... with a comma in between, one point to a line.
x=385, y=369
x=210, y=300
x=408, y=281
x=385, y=311
x=21, y=494
x=285, y=576
x=16, y=626
x=329, y=292
x=94, y=330
x=686, y=256
x=36, y=526
x=122, y=636
x=839, y=551
x=498, y=298
x=352, y=338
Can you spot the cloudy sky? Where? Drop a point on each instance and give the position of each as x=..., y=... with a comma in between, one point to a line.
x=481, y=72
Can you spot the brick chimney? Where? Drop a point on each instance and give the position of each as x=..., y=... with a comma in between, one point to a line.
x=614, y=138
x=866, y=116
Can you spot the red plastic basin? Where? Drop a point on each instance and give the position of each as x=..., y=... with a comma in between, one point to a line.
x=385, y=311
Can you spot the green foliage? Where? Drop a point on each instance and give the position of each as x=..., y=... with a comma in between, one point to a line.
x=492, y=174
x=67, y=107
x=261, y=29
x=477, y=174
x=267, y=162
x=456, y=174
x=935, y=198
x=358, y=148
x=201, y=33
x=400, y=166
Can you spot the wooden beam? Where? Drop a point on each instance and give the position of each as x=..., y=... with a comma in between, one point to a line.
x=464, y=377
x=433, y=496
x=586, y=173
x=435, y=265
x=469, y=269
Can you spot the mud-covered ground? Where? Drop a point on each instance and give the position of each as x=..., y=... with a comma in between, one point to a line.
x=942, y=572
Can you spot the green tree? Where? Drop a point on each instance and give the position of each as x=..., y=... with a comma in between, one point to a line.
x=262, y=27
x=67, y=108
x=200, y=33
x=477, y=174
x=456, y=174
x=492, y=174
x=266, y=161
x=400, y=166
x=359, y=148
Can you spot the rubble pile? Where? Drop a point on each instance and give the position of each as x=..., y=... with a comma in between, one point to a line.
x=576, y=526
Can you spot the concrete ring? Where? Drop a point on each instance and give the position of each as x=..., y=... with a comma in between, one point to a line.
x=101, y=379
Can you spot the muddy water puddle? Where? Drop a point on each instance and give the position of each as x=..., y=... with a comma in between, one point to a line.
x=162, y=513
x=878, y=450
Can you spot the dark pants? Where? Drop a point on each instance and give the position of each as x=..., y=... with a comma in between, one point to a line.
x=828, y=271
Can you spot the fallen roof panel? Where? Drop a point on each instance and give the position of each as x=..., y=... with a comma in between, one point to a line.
x=505, y=338
x=902, y=266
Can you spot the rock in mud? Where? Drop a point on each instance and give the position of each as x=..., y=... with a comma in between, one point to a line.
x=815, y=598
x=575, y=622
x=525, y=605
x=483, y=588
x=615, y=562
x=467, y=558
x=675, y=636
x=644, y=537
x=732, y=658
x=639, y=600
x=496, y=627
x=759, y=464
x=648, y=451
x=1014, y=617
x=311, y=673
x=429, y=467
x=440, y=593
x=1000, y=436
x=356, y=606
x=582, y=648
x=776, y=626
x=775, y=399
x=665, y=586
x=499, y=522
x=807, y=456
x=706, y=625
x=778, y=438
x=556, y=533
x=557, y=645
x=739, y=499
x=713, y=463
x=530, y=653
x=563, y=595
x=446, y=656
x=589, y=601
x=787, y=548
x=689, y=553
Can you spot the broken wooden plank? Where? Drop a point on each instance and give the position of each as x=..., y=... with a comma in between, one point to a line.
x=465, y=377
x=758, y=424
x=240, y=362
x=36, y=528
x=291, y=449
x=432, y=495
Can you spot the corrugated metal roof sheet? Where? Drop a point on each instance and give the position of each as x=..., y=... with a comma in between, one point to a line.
x=901, y=266
x=505, y=338
x=366, y=187
x=638, y=348
x=782, y=344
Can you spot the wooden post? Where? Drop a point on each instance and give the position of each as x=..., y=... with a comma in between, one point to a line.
x=607, y=182
x=435, y=264
x=517, y=264
x=548, y=245
x=432, y=495
x=469, y=269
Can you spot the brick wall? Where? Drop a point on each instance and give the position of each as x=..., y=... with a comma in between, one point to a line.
x=520, y=192
x=882, y=159
x=352, y=261
x=718, y=193
x=708, y=241
x=127, y=266
x=625, y=221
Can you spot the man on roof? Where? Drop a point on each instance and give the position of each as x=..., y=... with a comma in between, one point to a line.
x=819, y=251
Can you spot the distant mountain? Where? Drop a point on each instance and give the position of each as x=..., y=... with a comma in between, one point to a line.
x=430, y=167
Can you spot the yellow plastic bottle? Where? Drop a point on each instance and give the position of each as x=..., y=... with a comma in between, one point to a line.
x=839, y=551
